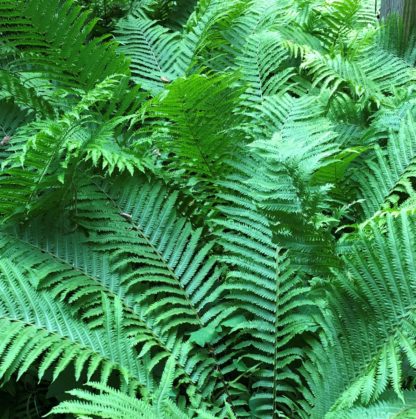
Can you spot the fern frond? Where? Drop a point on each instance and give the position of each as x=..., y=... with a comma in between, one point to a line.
x=25, y=95
x=269, y=292
x=36, y=330
x=387, y=408
x=108, y=403
x=386, y=179
x=165, y=247
x=288, y=195
x=198, y=32
x=46, y=155
x=40, y=29
x=73, y=273
x=153, y=51
x=174, y=280
x=199, y=115
x=261, y=65
x=11, y=117
x=362, y=75
x=371, y=315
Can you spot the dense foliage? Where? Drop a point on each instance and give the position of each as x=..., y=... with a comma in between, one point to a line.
x=208, y=210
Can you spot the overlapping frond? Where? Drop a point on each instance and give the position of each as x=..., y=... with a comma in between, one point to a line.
x=152, y=49
x=45, y=155
x=166, y=285
x=296, y=206
x=199, y=125
x=387, y=408
x=268, y=291
x=386, y=178
x=40, y=30
x=175, y=280
x=372, y=322
x=106, y=402
x=37, y=330
x=262, y=264
x=261, y=66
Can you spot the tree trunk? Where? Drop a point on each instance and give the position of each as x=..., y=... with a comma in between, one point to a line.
x=406, y=9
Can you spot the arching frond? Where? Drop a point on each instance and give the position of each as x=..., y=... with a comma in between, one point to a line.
x=198, y=121
x=269, y=292
x=372, y=321
x=36, y=330
x=262, y=68
x=386, y=178
x=107, y=402
x=174, y=280
x=287, y=194
x=40, y=29
x=45, y=155
x=261, y=264
x=152, y=49
x=387, y=408
x=165, y=262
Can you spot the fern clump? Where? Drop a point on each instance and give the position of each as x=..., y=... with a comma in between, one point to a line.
x=207, y=210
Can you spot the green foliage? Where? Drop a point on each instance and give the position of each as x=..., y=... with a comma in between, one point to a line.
x=207, y=210
x=152, y=49
x=386, y=178
x=197, y=119
x=376, y=283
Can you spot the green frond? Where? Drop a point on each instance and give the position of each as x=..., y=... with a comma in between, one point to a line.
x=166, y=281
x=45, y=156
x=152, y=49
x=254, y=19
x=389, y=407
x=198, y=123
x=286, y=192
x=362, y=75
x=371, y=315
x=73, y=273
x=199, y=34
x=40, y=29
x=25, y=94
x=36, y=330
x=385, y=181
x=145, y=232
x=108, y=403
x=207, y=209
x=11, y=117
x=261, y=64
x=265, y=287
x=337, y=19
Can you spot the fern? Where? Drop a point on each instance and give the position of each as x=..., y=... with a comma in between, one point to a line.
x=383, y=409
x=38, y=168
x=386, y=180
x=171, y=267
x=207, y=209
x=271, y=294
x=261, y=63
x=27, y=97
x=40, y=30
x=198, y=123
x=289, y=196
x=34, y=326
x=376, y=286
x=110, y=403
x=152, y=49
